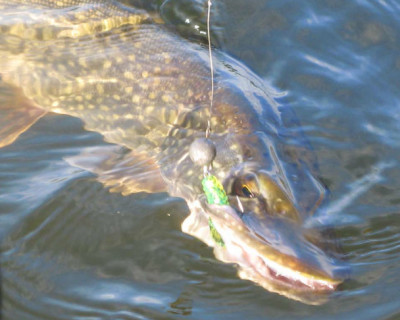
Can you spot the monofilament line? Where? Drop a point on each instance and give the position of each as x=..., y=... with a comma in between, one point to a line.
x=211, y=69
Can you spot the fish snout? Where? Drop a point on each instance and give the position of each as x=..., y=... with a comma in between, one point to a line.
x=261, y=231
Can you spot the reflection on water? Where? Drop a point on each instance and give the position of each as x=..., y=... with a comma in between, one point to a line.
x=70, y=249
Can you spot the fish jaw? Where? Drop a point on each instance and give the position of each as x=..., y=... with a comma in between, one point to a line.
x=257, y=260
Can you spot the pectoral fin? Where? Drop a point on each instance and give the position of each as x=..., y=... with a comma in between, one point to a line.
x=17, y=114
x=121, y=169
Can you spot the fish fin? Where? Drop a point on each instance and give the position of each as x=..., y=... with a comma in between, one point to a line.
x=17, y=114
x=123, y=170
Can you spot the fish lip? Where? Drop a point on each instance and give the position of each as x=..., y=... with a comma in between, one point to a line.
x=283, y=275
x=263, y=267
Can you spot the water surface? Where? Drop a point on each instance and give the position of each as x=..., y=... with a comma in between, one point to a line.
x=72, y=250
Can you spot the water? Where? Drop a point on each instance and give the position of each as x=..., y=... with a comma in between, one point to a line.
x=71, y=250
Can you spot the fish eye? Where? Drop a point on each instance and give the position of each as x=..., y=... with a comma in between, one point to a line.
x=246, y=192
x=246, y=187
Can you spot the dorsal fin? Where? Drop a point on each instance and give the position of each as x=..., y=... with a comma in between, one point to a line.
x=121, y=169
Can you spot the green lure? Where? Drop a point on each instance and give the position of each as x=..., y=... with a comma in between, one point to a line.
x=215, y=234
x=214, y=190
x=215, y=194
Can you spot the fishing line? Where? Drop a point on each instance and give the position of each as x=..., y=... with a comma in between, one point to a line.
x=212, y=187
x=202, y=151
x=211, y=68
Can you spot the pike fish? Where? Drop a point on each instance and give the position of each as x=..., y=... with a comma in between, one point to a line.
x=147, y=91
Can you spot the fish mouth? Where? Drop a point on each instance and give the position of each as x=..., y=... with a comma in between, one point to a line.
x=280, y=274
x=262, y=261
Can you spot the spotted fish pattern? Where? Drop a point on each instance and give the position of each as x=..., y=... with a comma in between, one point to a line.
x=107, y=64
x=123, y=74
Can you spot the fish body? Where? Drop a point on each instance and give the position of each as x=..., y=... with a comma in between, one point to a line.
x=147, y=90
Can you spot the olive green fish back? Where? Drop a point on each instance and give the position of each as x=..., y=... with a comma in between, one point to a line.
x=110, y=65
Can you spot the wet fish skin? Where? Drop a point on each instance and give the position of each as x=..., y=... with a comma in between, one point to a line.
x=119, y=72
x=146, y=89
x=123, y=71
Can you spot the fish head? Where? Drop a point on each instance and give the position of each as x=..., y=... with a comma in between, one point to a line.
x=261, y=232
x=271, y=192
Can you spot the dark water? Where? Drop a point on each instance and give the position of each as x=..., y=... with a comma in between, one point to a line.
x=72, y=250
